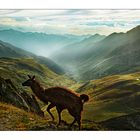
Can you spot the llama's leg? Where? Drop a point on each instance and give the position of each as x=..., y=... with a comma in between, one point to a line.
x=59, y=110
x=48, y=109
x=72, y=112
x=78, y=119
x=73, y=122
x=79, y=122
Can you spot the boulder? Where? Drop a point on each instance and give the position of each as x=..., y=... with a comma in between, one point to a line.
x=11, y=95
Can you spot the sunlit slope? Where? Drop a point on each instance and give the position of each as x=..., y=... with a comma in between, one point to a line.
x=112, y=96
x=13, y=118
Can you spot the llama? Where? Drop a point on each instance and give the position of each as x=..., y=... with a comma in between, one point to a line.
x=59, y=97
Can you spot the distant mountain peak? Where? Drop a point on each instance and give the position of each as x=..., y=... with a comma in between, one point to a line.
x=10, y=29
x=96, y=34
x=135, y=29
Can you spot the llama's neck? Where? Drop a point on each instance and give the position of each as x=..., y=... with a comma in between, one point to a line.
x=37, y=89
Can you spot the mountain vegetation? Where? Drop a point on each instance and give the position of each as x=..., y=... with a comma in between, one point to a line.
x=112, y=96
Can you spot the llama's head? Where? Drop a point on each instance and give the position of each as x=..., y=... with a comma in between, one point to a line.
x=29, y=82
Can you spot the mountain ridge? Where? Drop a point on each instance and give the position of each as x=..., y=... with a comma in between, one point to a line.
x=37, y=43
x=8, y=50
x=97, y=62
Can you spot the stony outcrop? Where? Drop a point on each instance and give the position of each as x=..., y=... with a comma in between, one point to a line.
x=11, y=95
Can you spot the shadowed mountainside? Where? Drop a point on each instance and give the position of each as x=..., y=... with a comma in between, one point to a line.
x=117, y=53
x=10, y=51
x=38, y=43
x=76, y=51
x=126, y=122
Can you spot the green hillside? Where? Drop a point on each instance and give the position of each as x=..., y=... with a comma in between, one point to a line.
x=13, y=118
x=113, y=100
x=112, y=96
x=10, y=51
x=17, y=70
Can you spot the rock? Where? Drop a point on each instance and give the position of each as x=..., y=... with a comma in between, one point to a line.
x=32, y=104
x=11, y=95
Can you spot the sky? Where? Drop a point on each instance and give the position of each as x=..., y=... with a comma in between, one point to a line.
x=77, y=22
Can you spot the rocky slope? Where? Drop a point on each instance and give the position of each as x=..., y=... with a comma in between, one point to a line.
x=11, y=95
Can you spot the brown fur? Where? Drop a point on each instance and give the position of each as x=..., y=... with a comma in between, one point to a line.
x=59, y=97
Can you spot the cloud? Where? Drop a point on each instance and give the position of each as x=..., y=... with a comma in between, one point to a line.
x=71, y=21
x=8, y=12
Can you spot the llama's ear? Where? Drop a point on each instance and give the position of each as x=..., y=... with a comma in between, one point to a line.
x=33, y=78
x=29, y=76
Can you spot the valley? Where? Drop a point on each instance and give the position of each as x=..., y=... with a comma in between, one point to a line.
x=106, y=68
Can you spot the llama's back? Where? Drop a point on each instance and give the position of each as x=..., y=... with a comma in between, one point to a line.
x=63, y=96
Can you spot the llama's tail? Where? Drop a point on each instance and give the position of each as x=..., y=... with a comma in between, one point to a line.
x=84, y=98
